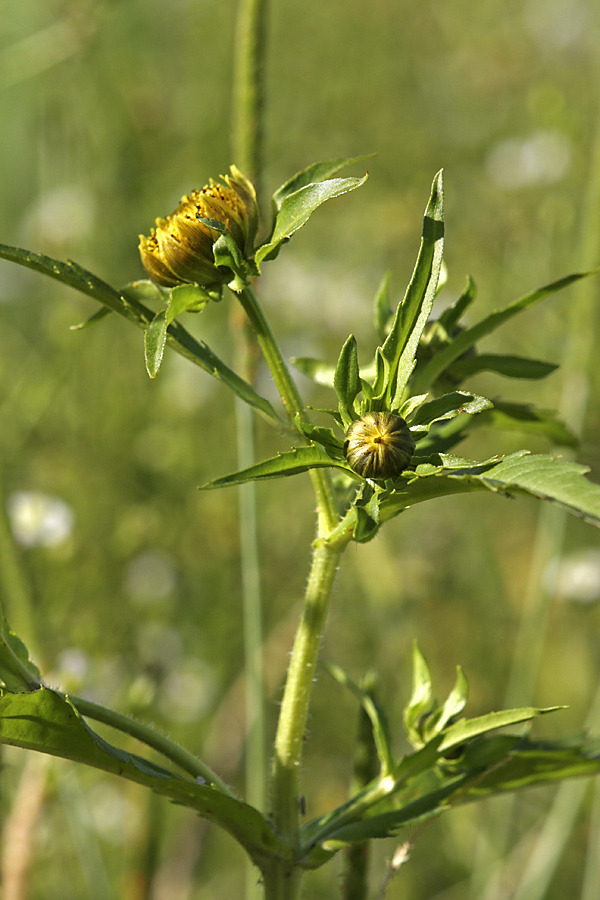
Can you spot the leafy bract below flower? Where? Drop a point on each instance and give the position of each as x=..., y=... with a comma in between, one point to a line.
x=180, y=248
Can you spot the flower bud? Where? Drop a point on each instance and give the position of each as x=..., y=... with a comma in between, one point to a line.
x=379, y=445
x=180, y=248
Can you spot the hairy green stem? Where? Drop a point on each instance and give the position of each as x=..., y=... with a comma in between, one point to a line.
x=164, y=745
x=282, y=881
x=298, y=688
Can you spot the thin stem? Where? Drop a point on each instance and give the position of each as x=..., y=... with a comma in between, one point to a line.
x=164, y=745
x=255, y=770
x=355, y=876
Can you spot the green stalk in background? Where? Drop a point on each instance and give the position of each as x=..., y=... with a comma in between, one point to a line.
x=247, y=141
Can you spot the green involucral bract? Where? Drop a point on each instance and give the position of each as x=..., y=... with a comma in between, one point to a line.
x=379, y=445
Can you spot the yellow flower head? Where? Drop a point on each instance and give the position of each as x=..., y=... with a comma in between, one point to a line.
x=180, y=248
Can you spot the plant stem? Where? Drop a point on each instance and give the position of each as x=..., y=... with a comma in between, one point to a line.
x=292, y=401
x=247, y=142
x=282, y=880
x=298, y=687
x=164, y=745
x=249, y=87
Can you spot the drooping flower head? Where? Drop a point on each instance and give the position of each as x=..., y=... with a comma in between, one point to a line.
x=180, y=248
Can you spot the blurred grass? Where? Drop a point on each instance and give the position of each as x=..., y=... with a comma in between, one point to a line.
x=110, y=112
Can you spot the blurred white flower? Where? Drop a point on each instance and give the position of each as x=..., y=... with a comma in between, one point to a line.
x=61, y=216
x=150, y=577
x=556, y=24
x=110, y=811
x=39, y=520
x=576, y=577
x=158, y=644
x=187, y=691
x=542, y=158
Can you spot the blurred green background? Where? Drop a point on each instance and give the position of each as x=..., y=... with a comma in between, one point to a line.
x=110, y=111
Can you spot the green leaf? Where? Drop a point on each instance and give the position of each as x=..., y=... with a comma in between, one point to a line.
x=545, y=477
x=318, y=371
x=187, y=298
x=155, y=338
x=530, y=763
x=526, y=418
x=509, y=366
x=406, y=772
x=74, y=276
x=421, y=701
x=381, y=732
x=47, y=722
x=346, y=380
x=401, y=344
x=455, y=703
x=96, y=317
x=366, y=506
x=145, y=291
x=448, y=407
x=469, y=337
x=323, y=436
x=297, y=208
x=451, y=316
x=182, y=298
x=499, y=764
x=465, y=730
x=128, y=305
x=382, y=306
x=290, y=462
x=17, y=671
x=316, y=172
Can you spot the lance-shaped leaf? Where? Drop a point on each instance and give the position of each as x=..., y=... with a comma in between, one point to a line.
x=316, y=369
x=406, y=772
x=447, y=407
x=509, y=366
x=400, y=347
x=454, y=705
x=525, y=417
x=290, y=462
x=378, y=718
x=128, y=305
x=428, y=783
x=382, y=307
x=422, y=702
x=499, y=765
x=346, y=381
x=96, y=317
x=323, y=436
x=469, y=337
x=319, y=171
x=543, y=476
x=47, y=722
x=466, y=729
x=452, y=315
x=297, y=208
